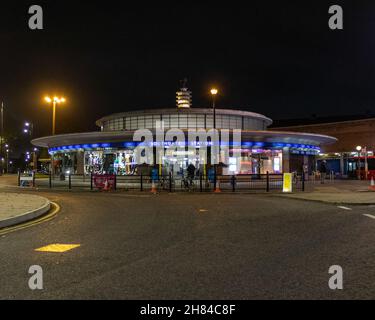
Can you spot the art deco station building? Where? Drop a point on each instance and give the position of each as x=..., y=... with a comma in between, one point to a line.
x=111, y=149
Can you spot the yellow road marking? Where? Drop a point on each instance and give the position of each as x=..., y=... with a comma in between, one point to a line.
x=58, y=247
x=203, y=210
x=45, y=218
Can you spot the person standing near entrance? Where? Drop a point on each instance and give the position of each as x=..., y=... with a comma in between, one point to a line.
x=191, y=172
x=154, y=174
x=323, y=171
x=305, y=170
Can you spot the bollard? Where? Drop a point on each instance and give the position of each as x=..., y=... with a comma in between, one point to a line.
x=233, y=182
x=303, y=181
x=50, y=180
x=215, y=181
x=115, y=183
x=332, y=176
x=19, y=177
x=70, y=181
x=217, y=190
x=268, y=182
x=170, y=181
x=141, y=182
x=200, y=182
x=153, y=187
x=91, y=181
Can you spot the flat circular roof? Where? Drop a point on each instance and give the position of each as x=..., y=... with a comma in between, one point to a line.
x=175, y=110
x=123, y=136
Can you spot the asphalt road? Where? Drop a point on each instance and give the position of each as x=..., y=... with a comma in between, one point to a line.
x=192, y=246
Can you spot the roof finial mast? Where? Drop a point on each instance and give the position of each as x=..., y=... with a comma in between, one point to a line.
x=183, y=97
x=183, y=83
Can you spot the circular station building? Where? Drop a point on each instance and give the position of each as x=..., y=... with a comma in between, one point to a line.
x=110, y=150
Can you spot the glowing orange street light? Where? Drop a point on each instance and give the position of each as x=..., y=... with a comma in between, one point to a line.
x=55, y=101
x=213, y=91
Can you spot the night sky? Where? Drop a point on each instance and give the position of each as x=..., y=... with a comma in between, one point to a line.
x=278, y=59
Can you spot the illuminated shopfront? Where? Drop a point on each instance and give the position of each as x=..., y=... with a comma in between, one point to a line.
x=109, y=160
x=121, y=162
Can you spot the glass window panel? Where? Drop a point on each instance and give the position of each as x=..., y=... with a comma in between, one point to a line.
x=148, y=122
x=174, y=121
x=218, y=121
x=225, y=122
x=232, y=122
x=192, y=121
x=127, y=123
x=248, y=123
x=200, y=121
x=156, y=117
x=183, y=121
x=166, y=120
x=141, y=122
x=133, y=123
x=209, y=121
x=118, y=124
x=239, y=122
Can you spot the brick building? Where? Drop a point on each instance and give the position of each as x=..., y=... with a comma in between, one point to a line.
x=350, y=132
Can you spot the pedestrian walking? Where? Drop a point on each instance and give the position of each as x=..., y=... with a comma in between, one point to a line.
x=323, y=171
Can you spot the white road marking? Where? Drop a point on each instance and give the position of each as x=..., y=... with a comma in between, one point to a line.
x=345, y=208
x=369, y=215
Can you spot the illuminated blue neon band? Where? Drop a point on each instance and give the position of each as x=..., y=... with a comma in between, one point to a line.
x=133, y=144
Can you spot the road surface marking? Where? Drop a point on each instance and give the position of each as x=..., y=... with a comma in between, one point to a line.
x=369, y=215
x=44, y=218
x=58, y=247
x=203, y=210
x=345, y=208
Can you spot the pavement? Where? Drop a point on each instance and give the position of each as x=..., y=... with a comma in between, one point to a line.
x=18, y=207
x=351, y=192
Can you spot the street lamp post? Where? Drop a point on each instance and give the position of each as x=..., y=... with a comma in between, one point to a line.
x=7, y=157
x=54, y=101
x=359, y=148
x=366, y=164
x=364, y=150
x=35, y=159
x=1, y=136
x=29, y=129
x=213, y=94
x=7, y=160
